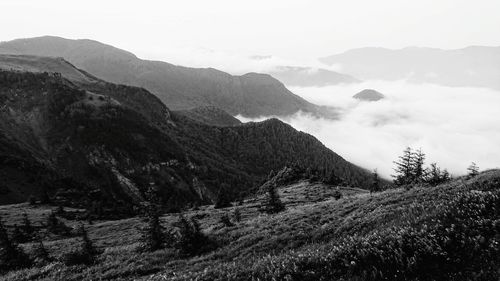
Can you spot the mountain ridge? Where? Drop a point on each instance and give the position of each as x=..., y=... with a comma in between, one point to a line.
x=178, y=87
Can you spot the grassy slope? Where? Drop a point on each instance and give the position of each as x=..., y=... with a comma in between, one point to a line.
x=312, y=225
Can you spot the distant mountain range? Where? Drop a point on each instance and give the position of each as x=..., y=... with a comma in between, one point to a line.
x=310, y=77
x=83, y=140
x=180, y=88
x=474, y=66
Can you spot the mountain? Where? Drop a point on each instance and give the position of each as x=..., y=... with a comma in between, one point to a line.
x=84, y=140
x=474, y=66
x=310, y=77
x=211, y=115
x=180, y=88
x=369, y=95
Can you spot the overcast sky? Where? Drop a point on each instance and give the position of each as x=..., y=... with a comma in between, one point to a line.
x=288, y=28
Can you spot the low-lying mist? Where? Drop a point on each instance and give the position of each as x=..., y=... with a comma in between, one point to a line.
x=453, y=126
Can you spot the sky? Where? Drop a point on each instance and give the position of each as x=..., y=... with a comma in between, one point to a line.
x=291, y=29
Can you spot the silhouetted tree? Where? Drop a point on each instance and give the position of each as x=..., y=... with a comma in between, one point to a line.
x=473, y=170
x=86, y=254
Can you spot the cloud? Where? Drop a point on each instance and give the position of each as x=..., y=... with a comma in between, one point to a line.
x=453, y=126
x=236, y=63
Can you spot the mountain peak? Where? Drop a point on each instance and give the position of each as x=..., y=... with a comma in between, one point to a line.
x=369, y=95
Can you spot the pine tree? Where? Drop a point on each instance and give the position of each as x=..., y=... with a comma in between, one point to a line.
x=404, y=168
x=153, y=235
x=40, y=254
x=87, y=245
x=375, y=185
x=18, y=236
x=87, y=252
x=27, y=227
x=418, y=160
x=473, y=170
x=223, y=200
x=190, y=238
x=273, y=202
x=237, y=214
x=225, y=220
x=11, y=256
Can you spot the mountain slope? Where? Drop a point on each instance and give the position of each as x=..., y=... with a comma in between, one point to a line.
x=211, y=115
x=178, y=87
x=474, y=66
x=123, y=143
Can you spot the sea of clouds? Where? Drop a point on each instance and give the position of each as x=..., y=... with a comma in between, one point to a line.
x=453, y=126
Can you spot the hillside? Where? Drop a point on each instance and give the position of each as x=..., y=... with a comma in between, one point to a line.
x=211, y=115
x=310, y=77
x=73, y=127
x=180, y=88
x=474, y=66
x=448, y=232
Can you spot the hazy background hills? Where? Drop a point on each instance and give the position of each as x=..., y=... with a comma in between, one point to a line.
x=179, y=87
x=475, y=66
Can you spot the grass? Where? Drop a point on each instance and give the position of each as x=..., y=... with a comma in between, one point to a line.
x=309, y=234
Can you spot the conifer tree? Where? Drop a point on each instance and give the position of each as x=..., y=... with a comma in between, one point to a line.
x=153, y=235
x=18, y=236
x=418, y=160
x=27, y=227
x=40, y=253
x=375, y=185
x=190, y=238
x=11, y=256
x=404, y=172
x=237, y=214
x=273, y=202
x=473, y=170
x=225, y=220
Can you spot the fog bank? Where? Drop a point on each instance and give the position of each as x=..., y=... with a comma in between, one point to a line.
x=453, y=126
